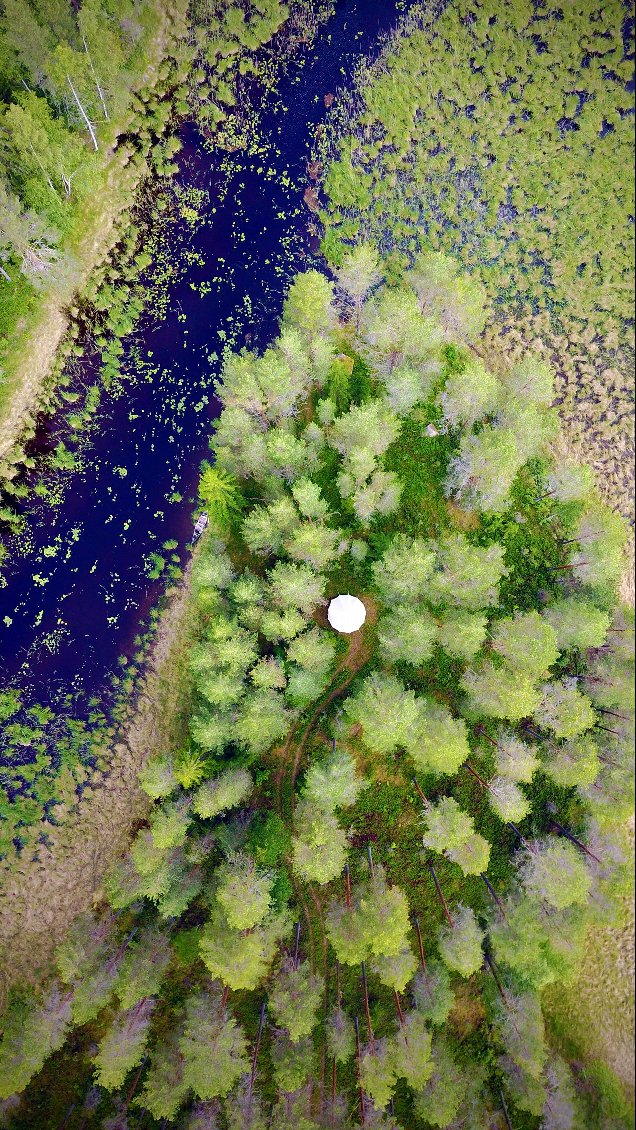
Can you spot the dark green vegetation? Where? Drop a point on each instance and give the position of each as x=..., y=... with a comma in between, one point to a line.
x=503, y=135
x=438, y=800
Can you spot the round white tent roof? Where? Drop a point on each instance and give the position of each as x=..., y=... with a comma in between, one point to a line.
x=346, y=613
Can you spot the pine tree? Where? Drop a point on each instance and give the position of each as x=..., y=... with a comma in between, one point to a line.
x=31, y=1033
x=319, y=847
x=375, y=925
x=527, y=642
x=466, y=576
x=440, y=1099
x=359, y=271
x=224, y=792
x=407, y=634
x=296, y=586
x=308, y=306
x=402, y=574
x=165, y=1088
x=440, y=744
x=460, y=944
x=394, y=330
x=462, y=633
x=500, y=692
x=412, y=1051
x=574, y=763
x=470, y=395
x=262, y=720
x=241, y=960
x=451, y=832
x=396, y=970
x=213, y=1047
x=555, y=873
x=377, y=1072
x=390, y=715
x=292, y=1062
x=333, y=782
x=295, y=997
x=577, y=623
x=123, y=1045
x=515, y=759
x=507, y=800
x=432, y=993
x=519, y=1024
x=143, y=967
x=340, y=1036
x=244, y=891
x=564, y=710
x=482, y=474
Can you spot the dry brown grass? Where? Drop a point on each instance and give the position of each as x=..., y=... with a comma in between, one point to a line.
x=39, y=899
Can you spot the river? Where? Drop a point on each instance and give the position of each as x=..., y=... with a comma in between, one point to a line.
x=79, y=596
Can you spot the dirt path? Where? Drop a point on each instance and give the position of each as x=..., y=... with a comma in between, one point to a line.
x=39, y=899
x=290, y=758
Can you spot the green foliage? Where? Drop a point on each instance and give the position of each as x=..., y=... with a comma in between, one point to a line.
x=451, y=831
x=294, y=999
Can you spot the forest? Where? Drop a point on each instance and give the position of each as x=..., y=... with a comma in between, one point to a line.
x=363, y=869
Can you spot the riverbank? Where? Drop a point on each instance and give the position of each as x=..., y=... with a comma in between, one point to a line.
x=32, y=349
x=39, y=898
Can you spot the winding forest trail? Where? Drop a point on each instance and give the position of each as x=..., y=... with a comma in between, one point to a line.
x=290, y=757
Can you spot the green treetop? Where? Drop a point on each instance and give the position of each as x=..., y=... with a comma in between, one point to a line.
x=295, y=997
x=564, y=710
x=241, y=960
x=319, y=846
x=555, y=872
x=527, y=642
x=213, y=1047
x=577, y=623
x=466, y=576
x=470, y=395
x=500, y=692
x=451, y=831
x=244, y=891
x=460, y=944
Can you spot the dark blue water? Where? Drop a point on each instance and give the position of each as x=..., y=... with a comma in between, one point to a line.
x=68, y=614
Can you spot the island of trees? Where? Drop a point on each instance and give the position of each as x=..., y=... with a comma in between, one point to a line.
x=372, y=853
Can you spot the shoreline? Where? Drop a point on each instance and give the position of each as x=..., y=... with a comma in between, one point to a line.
x=39, y=899
x=38, y=342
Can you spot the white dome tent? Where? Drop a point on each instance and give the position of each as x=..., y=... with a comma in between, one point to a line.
x=346, y=613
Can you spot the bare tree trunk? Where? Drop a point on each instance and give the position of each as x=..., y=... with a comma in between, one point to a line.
x=4, y=274
x=96, y=81
x=89, y=124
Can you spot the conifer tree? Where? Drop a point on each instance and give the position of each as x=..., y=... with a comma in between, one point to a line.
x=244, y=891
x=432, y=993
x=555, y=873
x=466, y=576
x=295, y=997
x=500, y=692
x=224, y=792
x=439, y=1100
x=527, y=642
x=451, y=832
x=319, y=846
x=470, y=395
x=241, y=959
x=123, y=1045
x=564, y=710
x=31, y=1033
x=460, y=944
x=213, y=1047
x=412, y=1051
